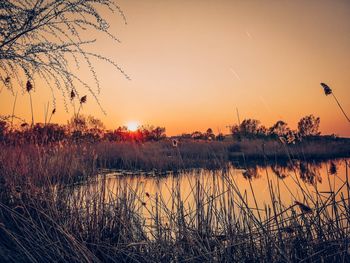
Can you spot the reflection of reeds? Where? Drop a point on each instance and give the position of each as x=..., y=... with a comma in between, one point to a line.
x=54, y=210
x=332, y=168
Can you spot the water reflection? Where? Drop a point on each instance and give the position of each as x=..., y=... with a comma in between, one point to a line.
x=255, y=187
x=215, y=196
x=280, y=171
x=295, y=180
x=332, y=168
x=309, y=172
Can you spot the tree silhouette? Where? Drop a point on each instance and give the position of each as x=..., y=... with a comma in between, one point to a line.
x=308, y=126
x=249, y=128
x=39, y=39
x=280, y=128
x=158, y=133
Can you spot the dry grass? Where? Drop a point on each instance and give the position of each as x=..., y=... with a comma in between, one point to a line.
x=46, y=217
x=162, y=155
x=272, y=150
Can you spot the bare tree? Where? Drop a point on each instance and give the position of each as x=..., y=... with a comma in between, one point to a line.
x=38, y=39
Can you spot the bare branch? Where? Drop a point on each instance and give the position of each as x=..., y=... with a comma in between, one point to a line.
x=39, y=39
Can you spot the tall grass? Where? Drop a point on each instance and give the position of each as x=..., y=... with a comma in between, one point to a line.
x=262, y=150
x=46, y=217
x=162, y=155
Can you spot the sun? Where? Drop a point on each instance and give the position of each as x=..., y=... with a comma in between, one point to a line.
x=132, y=125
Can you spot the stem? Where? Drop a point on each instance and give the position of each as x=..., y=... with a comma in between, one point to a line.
x=74, y=109
x=31, y=107
x=76, y=117
x=46, y=113
x=13, y=110
x=78, y=110
x=49, y=119
x=340, y=107
x=239, y=121
x=347, y=180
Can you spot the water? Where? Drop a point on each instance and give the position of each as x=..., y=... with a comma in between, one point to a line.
x=255, y=187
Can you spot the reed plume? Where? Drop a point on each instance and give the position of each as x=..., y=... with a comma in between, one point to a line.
x=328, y=91
x=52, y=113
x=82, y=101
x=29, y=87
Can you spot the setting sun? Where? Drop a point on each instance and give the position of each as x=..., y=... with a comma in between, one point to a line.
x=132, y=125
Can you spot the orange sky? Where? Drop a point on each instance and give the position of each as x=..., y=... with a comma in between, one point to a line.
x=192, y=62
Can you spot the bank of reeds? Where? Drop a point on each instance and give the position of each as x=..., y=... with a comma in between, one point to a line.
x=274, y=150
x=46, y=217
x=162, y=156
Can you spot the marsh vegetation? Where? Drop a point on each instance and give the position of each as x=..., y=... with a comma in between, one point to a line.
x=115, y=202
x=81, y=193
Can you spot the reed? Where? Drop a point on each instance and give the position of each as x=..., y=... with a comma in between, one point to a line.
x=53, y=208
x=29, y=87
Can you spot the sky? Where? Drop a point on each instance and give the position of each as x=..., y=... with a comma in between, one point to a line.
x=192, y=63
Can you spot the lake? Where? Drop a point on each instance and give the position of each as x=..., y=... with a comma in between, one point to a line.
x=225, y=190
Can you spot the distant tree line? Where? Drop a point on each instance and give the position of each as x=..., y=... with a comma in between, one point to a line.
x=308, y=126
x=82, y=128
x=208, y=135
x=89, y=129
x=79, y=129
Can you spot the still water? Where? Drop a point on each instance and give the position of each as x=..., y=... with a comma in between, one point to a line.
x=255, y=187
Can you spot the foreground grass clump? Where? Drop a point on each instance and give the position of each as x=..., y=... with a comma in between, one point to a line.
x=45, y=216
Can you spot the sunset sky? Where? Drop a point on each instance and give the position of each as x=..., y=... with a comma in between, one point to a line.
x=193, y=62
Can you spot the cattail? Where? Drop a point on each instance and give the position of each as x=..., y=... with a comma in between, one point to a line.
x=175, y=143
x=147, y=194
x=29, y=86
x=83, y=99
x=303, y=208
x=7, y=80
x=72, y=95
x=24, y=124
